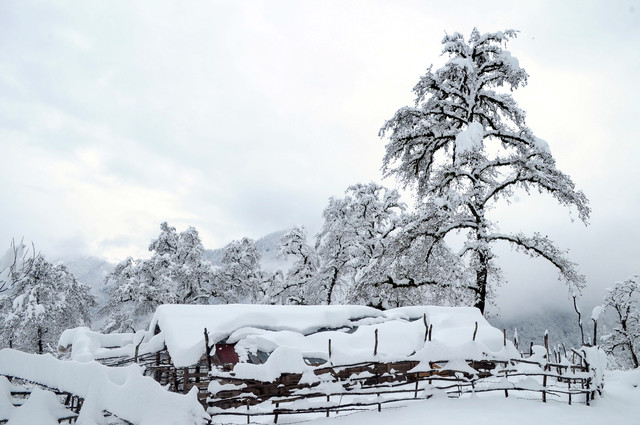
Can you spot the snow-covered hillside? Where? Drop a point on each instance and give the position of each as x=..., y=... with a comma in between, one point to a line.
x=91, y=271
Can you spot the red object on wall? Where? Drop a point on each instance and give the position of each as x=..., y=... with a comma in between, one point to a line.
x=226, y=353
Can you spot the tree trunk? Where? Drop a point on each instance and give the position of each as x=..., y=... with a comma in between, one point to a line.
x=40, y=348
x=634, y=357
x=481, y=281
x=334, y=279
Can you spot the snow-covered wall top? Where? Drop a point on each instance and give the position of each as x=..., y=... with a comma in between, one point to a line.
x=306, y=329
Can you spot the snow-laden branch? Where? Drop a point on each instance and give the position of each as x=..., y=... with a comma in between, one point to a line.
x=541, y=246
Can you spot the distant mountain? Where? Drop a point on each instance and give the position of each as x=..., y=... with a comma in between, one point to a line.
x=91, y=271
x=562, y=326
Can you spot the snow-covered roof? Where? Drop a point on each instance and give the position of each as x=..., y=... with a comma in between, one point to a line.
x=306, y=329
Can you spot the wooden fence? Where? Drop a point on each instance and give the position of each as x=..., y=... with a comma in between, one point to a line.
x=371, y=385
x=336, y=389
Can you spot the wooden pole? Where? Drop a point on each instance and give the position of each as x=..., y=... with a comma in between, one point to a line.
x=426, y=326
x=430, y=330
x=328, y=397
x=375, y=348
x=207, y=349
x=329, y=349
x=475, y=331
x=546, y=347
x=506, y=375
x=504, y=332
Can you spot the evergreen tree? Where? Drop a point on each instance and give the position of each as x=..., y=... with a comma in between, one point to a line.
x=464, y=145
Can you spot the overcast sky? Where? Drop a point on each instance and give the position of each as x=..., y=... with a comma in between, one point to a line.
x=243, y=117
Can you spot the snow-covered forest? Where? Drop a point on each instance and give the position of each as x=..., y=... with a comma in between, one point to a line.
x=430, y=236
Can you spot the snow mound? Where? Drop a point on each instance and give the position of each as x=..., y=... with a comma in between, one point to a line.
x=123, y=391
x=42, y=408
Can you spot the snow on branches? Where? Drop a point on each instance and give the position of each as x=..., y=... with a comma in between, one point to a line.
x=464, y=145
x=175, y=273
x=40, y=302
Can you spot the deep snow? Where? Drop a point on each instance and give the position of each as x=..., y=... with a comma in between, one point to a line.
x=619, y=405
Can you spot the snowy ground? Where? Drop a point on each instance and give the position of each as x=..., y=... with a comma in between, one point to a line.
x=619, y=405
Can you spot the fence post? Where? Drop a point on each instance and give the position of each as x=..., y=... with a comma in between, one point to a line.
x=207, y=350
x=475, y=331
x=185, y=380
x=375, y=348
x=328, y=397
x=426, y=326
x=506, y=376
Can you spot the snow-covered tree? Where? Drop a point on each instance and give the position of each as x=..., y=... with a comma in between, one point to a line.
x=175, y=273
x=623, y=343
x=15, y=264
x=298, y=284
x=42, y=302
x=240, y=279
x=422, y=269
x=464, y=145
x=351, y=244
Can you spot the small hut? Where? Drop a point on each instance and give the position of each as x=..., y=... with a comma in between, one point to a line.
x=242, y=355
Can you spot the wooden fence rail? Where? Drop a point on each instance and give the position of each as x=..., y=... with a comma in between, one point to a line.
x=371, y=385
